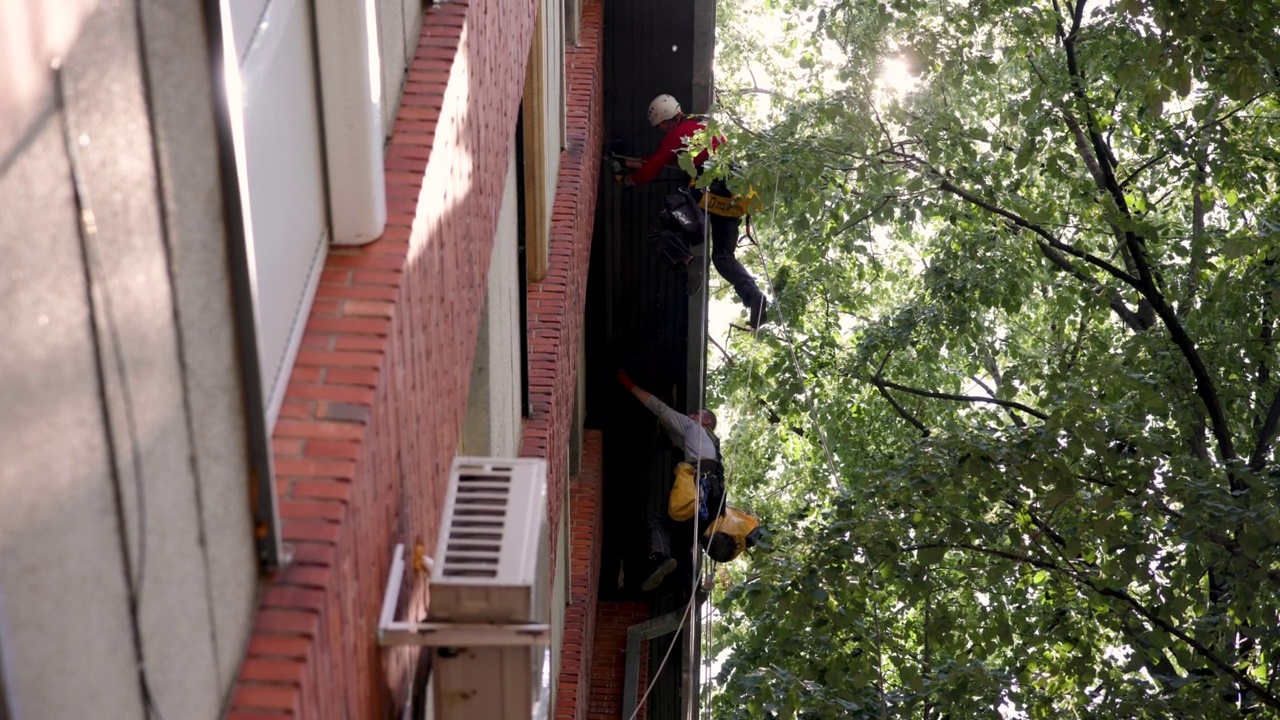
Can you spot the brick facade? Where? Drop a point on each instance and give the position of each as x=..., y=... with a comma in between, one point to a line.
x=576, y=666
x=555, y=316
x=374, y=406
x=555, y=305
x=608, y=669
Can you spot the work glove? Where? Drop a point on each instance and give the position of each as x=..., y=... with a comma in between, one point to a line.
x=625, y=379
x=618, y=175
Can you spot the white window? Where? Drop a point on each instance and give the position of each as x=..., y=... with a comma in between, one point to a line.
x=544, y=130
x=282, y=155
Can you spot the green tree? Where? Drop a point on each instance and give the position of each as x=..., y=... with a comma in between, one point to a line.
x=1014, y=437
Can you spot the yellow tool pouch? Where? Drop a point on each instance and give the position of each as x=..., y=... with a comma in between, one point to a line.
x=735, y=206
x=682, y=504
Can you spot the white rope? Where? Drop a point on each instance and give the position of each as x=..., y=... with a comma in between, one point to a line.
x=670, y=646
x=695, y=554
x=708, y=642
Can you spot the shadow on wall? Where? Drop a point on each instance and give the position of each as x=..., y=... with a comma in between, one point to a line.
x=32, y=35
x=442, y=215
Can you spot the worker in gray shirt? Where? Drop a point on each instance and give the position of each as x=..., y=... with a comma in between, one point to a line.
x=693, y=434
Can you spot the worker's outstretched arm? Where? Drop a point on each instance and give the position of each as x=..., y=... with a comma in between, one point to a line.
x=639, y=392
x=667, y=150
x=676, y=423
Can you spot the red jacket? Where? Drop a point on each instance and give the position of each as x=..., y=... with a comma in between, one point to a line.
x=672, y=145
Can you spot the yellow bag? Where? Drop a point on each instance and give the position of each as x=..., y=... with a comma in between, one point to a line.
x=741, y=527
x=682, y=504
x=735, y=207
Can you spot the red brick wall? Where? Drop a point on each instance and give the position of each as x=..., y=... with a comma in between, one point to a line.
x=555, y=306
x=555, y=315
x=608, y=670
x=374, y=406
x=585, y=495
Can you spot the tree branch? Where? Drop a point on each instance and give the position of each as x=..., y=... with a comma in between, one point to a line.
x=1157, y=663
x=727, y=358
x=1144, y=316
x=1133, y=175
x=882, y=383
x=1266, y=435
x=906, y=414
x=1146, y=281
x=1267, y=432
x=1144, y=166
x=1142, y=610
x=1047, y=237
x=1196, y=645
x=1146, y=286
x=1136, y=321
x=776, y=419
x=854, y=223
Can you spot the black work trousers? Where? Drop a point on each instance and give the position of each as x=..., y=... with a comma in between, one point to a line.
x=724, y=248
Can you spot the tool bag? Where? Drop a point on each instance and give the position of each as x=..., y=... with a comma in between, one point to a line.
x=730, y=534
x=720, y=200
x=680, y=214
x=679, y=227
x=669, y=244
x=691, y=492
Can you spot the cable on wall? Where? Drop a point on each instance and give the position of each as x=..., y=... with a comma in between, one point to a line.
x=104, y=330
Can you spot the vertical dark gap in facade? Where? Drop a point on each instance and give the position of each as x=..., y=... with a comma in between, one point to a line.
x=522, y=261
x=6, y=713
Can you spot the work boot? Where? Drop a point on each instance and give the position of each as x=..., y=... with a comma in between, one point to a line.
x=759, y=310
x=662, y=565
x=693, y=276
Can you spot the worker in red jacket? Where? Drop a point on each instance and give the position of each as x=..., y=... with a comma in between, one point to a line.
x=665, y=113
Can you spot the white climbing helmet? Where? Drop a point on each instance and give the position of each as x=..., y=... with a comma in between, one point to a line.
x=663, y=108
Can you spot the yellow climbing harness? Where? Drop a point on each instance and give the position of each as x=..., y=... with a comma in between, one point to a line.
x=734, y=206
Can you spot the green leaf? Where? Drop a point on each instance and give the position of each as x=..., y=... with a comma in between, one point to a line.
x=860, y=421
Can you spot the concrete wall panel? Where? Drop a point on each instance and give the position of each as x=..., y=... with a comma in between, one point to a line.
x=286, y=204
x=183, y=116
x=165, y=465
x=504, y=324
x=492, y=424
x=62, y=590
x=412, y=27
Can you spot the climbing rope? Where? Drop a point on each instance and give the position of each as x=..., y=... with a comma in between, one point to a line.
x=706, y=620
x=694, y=554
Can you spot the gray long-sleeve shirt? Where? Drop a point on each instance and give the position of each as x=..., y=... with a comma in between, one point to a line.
x=685, y=432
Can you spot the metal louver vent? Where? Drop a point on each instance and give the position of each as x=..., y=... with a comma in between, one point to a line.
x=473, y=547
x=491, y=554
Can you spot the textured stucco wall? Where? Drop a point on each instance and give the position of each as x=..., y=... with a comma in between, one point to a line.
x=122, y=415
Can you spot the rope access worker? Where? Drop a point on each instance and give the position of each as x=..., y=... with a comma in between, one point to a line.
x=724, y=210
x=728, y=530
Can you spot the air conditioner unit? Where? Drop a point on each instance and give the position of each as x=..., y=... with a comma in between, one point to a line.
x=490, y=594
